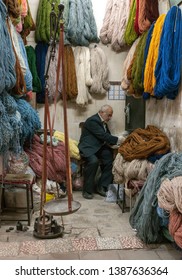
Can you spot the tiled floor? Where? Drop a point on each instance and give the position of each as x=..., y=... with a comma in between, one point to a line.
x=98, y=230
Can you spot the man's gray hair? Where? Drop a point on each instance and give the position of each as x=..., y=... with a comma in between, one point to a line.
x=105, y=107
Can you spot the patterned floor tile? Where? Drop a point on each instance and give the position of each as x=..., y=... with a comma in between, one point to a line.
x=81, y=232
x=131, y=243
x=58, y=246
x=108, y=243
x=84, y=244
x=32, y=247
x=9, y=249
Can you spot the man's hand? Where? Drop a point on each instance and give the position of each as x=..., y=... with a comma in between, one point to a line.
x=121, y=139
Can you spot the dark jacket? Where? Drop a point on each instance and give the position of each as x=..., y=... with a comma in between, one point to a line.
x=94, y=136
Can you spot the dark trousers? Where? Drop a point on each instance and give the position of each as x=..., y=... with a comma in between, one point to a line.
x=104, y=158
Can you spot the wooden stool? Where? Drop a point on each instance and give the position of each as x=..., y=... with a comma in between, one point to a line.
x=23, y=181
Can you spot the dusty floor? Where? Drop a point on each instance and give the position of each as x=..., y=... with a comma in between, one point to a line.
x=97, y=230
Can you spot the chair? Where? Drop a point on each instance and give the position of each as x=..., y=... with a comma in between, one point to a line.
x=23, y=181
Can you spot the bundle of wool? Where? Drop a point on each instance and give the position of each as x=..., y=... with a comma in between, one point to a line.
x=144, y=217
x=7, y=61
x=164, y=215
x=99, y=71
x=170, y=194
x=175, y=227
x=124, y=80
x=118, y=169
x=106, y=22
x=30, y=120
x=121, y=19
x=130, y=90
x=82, y=60
x=72, y=22
x=41, y=52
x=14, y=121
x=66, y=20
x=53, y=75
x=132, y=169
x=129, y=70
x=130, y=35
x=113, y=16
x=149, y=77
x=17, y=163
x=142, y=143
x=136, y=26
x=165, y=196
x=73, y=144
x=31, y=57
x=14, y=10
x=43, y=28
x=168, y=67
x=28, y=25
x=28, y=75
x=148, y=13
x=24, y=8
x=147, y=45
x=70, y=80
x=124, y=171
x=114, y=23
x=90, y=27
x=6, y=130
x=81, y=29
x=20, y=67
x=56, y=164
x=137, y=68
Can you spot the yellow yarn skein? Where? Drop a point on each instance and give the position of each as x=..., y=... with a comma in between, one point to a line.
x=149, y=77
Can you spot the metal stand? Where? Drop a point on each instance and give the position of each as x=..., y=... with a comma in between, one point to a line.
x=45, y=226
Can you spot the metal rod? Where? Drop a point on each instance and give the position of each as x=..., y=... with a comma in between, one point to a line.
x=66, y=137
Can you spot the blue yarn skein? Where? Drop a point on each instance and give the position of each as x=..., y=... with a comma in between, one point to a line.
x=168, y=66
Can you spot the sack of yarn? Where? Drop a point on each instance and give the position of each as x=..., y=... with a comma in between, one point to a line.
x=18, y=163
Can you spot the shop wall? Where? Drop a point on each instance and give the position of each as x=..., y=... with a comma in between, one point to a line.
x=78, y=114
x=165, y=114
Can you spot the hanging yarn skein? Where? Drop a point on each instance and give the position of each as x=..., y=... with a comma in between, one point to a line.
x=7, y=61
x=149, y=77
x=130, y=35
x=147, y=45
x=168, y=67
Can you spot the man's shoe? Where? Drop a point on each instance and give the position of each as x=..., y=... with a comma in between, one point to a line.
x=87, y=195
x=101, y=191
